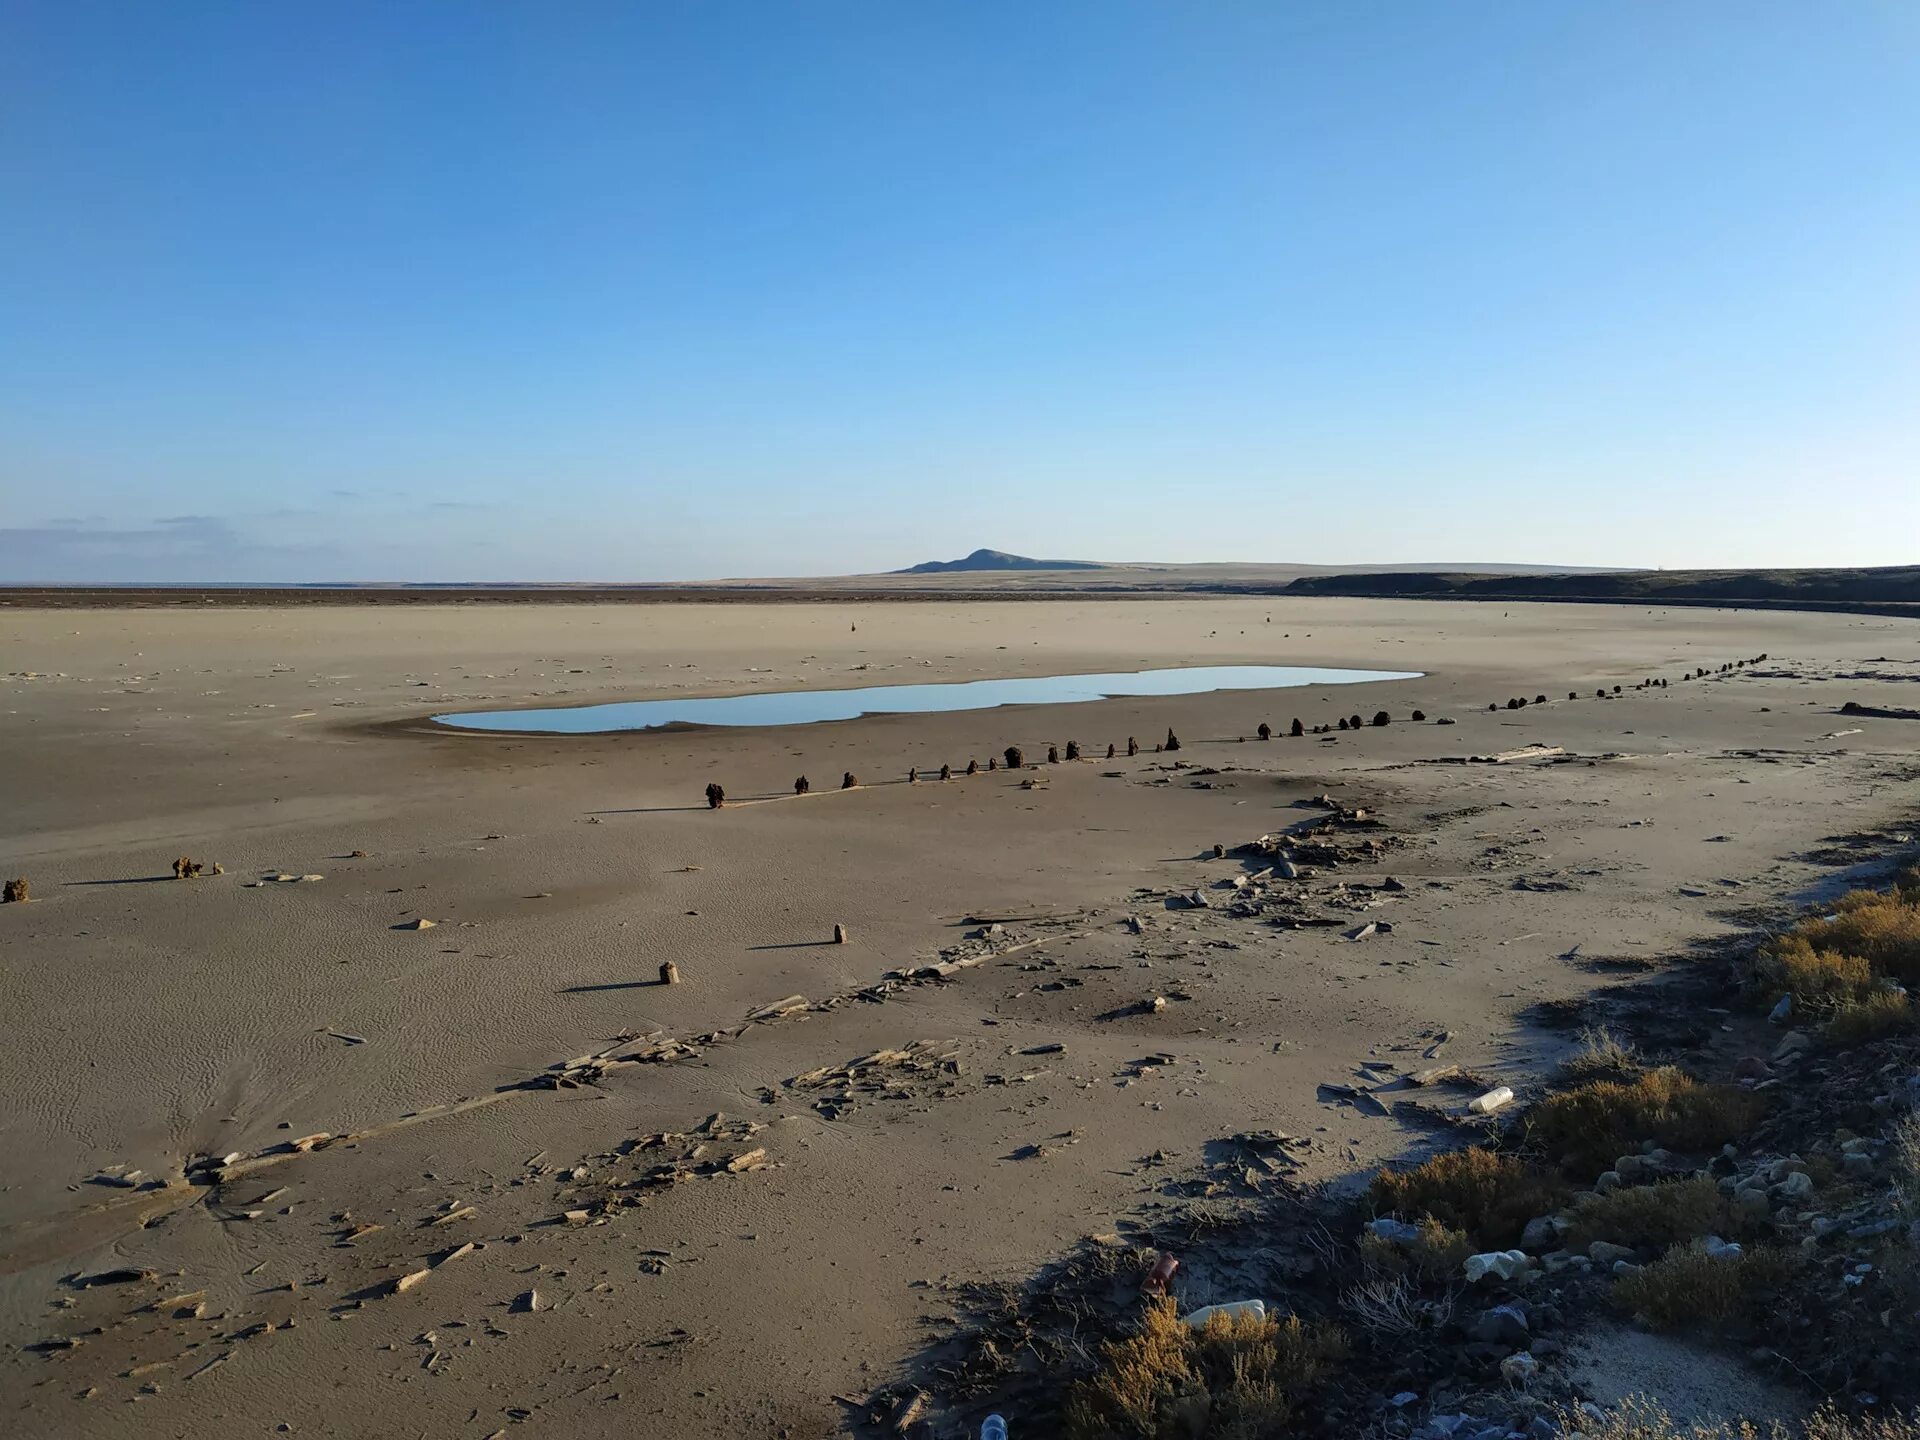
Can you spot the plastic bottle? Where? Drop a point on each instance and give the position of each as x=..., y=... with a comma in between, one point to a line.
x=1234, y=1310
x=993, y=1428
x=1491, y=1101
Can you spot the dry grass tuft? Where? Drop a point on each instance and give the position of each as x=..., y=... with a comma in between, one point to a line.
x=1903, y=1161
x=1587, y=1126
x=1601, y=1056
x=1883, y=1013
x=1669, y=1213
x=1234, y=1380
x=1689, y=1288
x=1490, y=1197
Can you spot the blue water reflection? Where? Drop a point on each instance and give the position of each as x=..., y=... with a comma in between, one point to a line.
x=808, y=707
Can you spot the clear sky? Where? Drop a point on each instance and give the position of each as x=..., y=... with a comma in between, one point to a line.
x=646, y=290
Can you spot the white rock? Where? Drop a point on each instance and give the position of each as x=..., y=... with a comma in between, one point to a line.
x=1504, y=1263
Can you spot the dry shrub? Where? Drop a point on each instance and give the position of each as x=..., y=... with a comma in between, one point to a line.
x=1815, y=978
x=1883, y=928
x=1668, y=1213
x=1883, y=1013
x=1236, y=1379
x=1903, y=1161
x=1639, y=1418
x=1601, y=1057
x=1689, y=1288
x=1390, y=1307
x=1490, y=1197
x=1436, y=1255
x=1586, y=1127
x=1829, y=1424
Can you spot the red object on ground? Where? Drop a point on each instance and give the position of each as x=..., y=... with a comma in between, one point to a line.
x=1162, y=1272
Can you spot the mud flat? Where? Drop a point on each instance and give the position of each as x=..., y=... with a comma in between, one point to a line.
x=343, y=1171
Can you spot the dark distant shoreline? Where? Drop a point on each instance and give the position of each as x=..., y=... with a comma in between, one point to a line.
x=1893, y=591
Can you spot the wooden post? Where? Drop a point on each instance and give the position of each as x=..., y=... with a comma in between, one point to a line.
x=669, y=973
x=839, y=934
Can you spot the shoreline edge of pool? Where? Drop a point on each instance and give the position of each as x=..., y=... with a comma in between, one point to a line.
x=769, y=709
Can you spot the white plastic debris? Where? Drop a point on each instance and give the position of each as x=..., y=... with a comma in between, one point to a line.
x=1491, y=1101
x=1233, y=1310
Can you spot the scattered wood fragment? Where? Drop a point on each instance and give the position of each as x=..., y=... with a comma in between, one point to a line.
x=779, y=1008
x=212, y=1364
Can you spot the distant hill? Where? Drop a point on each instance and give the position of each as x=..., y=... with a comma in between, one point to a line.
x=994, y=560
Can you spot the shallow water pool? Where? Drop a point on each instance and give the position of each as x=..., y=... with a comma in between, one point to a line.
x=809, y=707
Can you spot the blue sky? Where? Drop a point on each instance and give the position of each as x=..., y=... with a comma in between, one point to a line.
x=651, y=291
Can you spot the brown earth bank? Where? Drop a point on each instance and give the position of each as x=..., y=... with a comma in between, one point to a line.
x=686, y=1220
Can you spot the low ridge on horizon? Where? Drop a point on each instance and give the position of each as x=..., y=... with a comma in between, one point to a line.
x=984, y=559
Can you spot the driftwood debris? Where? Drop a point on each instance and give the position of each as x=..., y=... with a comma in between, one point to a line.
x=779, y=1008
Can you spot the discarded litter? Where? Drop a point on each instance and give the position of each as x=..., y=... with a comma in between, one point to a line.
x=1491, y=1101
x=1162, y=1272
x=1232, y=1310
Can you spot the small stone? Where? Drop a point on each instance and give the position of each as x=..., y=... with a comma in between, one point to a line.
x=1399, y=1232
x=1519, y=1369
x=1797, y=1186
x=1502, y=1325
x=1605, y=1252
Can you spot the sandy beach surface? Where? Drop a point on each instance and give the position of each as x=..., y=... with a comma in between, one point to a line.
x=757, y=1221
